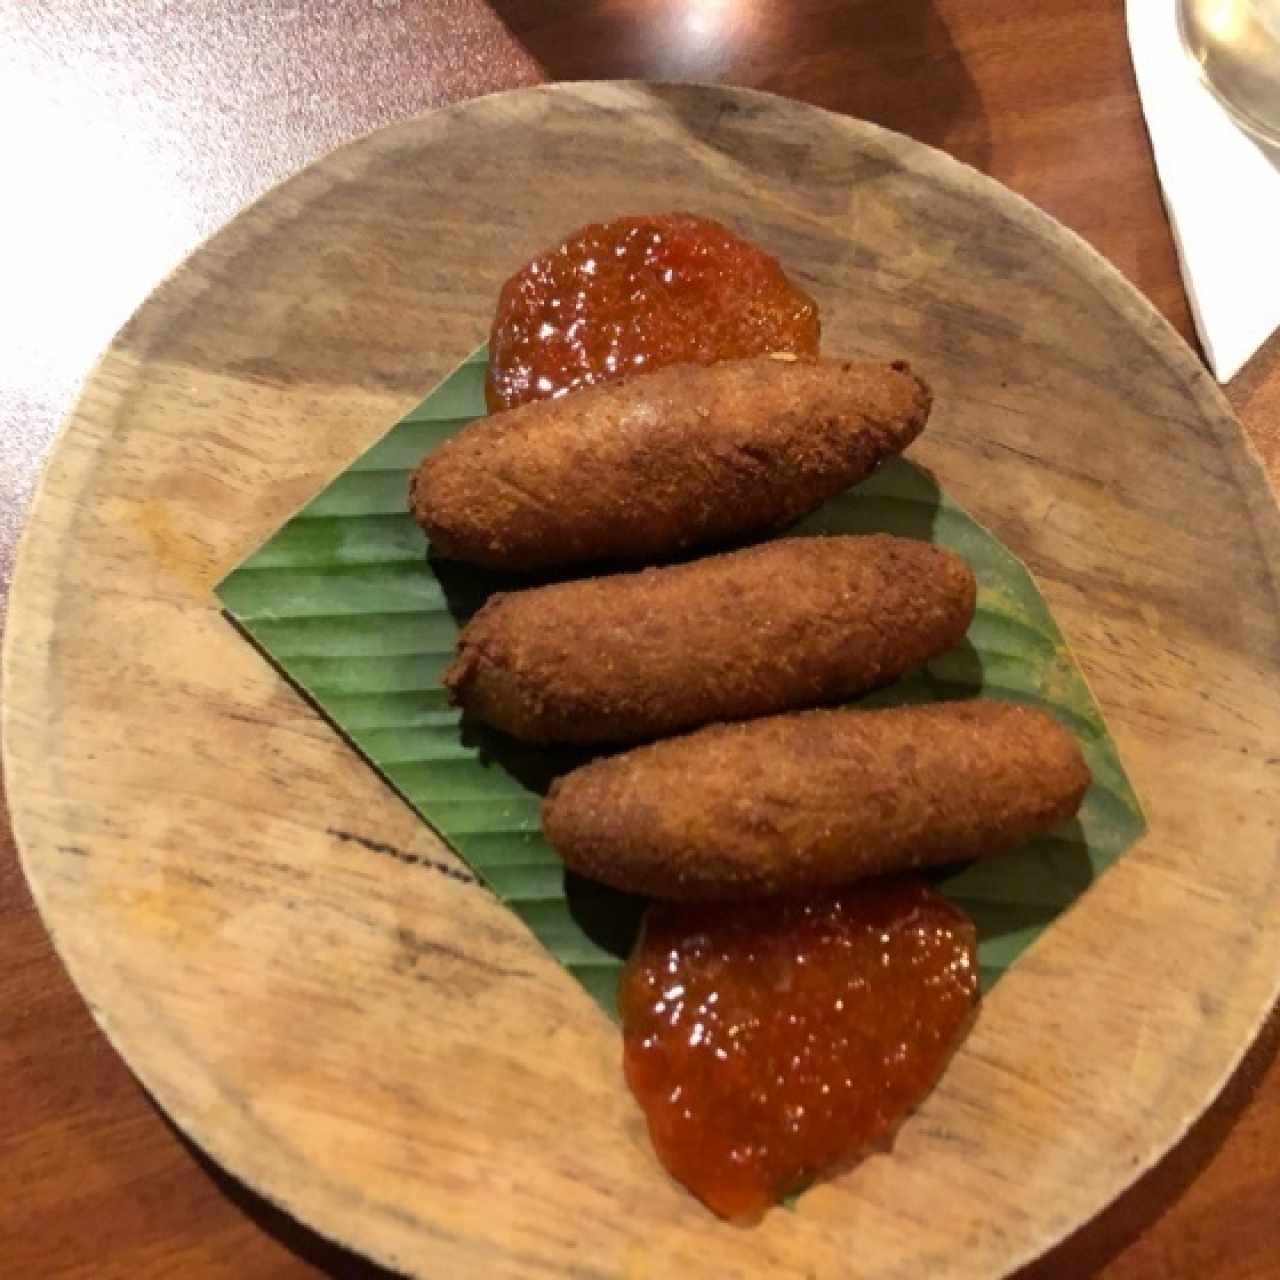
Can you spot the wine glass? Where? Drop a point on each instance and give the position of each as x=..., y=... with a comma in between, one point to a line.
x=1236, y=44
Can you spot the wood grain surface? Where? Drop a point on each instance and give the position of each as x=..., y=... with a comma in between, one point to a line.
x=222, y=99
x=380, y=1047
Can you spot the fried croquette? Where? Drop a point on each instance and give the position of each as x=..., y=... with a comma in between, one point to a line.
x=793, y=623
x=815, y=798
x=655, y=464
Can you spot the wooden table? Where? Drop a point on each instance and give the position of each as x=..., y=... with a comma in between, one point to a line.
x=140, y=128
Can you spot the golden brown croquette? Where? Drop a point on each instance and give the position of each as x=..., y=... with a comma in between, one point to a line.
x=815, y=798
x=654, y=464
x=794, y=623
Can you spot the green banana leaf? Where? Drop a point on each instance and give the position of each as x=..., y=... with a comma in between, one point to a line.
x=346, y=602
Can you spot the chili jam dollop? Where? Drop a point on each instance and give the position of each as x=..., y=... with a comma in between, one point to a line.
x=772, y=1042
x=635, y=294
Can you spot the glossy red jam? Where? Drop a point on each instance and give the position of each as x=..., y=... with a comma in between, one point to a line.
x=772, y=1042
x=635, y=294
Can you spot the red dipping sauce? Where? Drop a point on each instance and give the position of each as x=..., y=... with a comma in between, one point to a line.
x=635, y=294
x=772, y=1042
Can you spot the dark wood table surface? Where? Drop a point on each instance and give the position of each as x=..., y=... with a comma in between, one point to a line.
x=141, y=125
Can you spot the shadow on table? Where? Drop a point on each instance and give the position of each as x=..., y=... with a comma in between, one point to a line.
x=893, y=64
x=327, y=1258
x=1108, y=1235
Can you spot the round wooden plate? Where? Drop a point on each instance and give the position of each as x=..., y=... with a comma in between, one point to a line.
x=262, y=928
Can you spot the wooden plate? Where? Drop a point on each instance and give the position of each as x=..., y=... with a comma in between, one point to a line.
x=265, y=932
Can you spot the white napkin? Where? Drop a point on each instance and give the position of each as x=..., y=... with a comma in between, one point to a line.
x=1222, y=191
